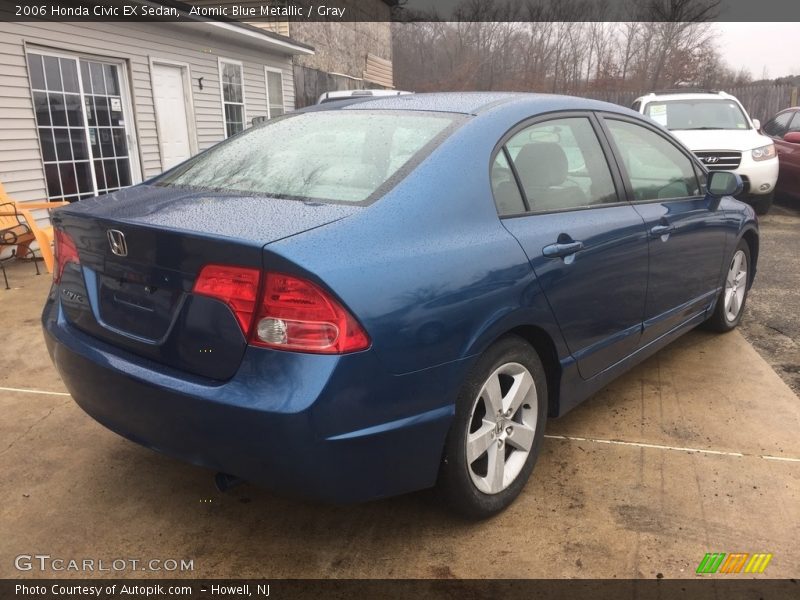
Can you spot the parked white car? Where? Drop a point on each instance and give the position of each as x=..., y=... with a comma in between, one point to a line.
x=716, y=127
x=344, y=94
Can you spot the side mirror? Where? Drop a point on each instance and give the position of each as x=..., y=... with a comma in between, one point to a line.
x=793, y=137
x=723, y=183
x=258, y=120
x=757, y=124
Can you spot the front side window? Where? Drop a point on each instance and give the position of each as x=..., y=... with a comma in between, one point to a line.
x=274, y=93
x=779, y=126
x=697, y=114
x=657, y=169
x=561, y=165
x=341, y=156
x=230, y=74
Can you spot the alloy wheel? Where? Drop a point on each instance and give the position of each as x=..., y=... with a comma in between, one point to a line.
x=735, y=286
x=501, y=428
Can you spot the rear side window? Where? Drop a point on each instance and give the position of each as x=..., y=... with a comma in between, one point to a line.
x=341, y=156
x=561, y=165
x=657, y=169
x=504, y=186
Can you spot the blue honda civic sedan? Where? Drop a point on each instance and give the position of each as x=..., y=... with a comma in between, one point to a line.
x=374, y=297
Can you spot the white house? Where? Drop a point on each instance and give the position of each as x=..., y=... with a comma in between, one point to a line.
x=87, y=108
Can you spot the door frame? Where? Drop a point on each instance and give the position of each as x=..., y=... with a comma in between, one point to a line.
x=585, y=369
x=649, y=321
x=188, y=101
x=126, y=94
x=268, y=69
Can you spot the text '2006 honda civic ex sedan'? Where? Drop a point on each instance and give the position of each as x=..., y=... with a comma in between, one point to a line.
x=374, y=297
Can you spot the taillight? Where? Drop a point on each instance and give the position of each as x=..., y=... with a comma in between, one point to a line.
x=295, y=314
x=292, y=313
x=66, y=252
x=235, y=286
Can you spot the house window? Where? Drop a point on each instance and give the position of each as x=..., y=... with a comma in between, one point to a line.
x=81, y=125
x=230, y=74
x=274, y=92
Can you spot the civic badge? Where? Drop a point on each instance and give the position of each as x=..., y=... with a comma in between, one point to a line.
x=116, y=239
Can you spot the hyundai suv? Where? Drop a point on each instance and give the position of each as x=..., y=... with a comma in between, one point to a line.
x=716, y=127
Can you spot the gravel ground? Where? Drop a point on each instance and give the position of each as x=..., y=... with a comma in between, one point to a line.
x=772, y=320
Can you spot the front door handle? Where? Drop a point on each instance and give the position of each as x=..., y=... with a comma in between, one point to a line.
x=660, y=230
x=562, y=250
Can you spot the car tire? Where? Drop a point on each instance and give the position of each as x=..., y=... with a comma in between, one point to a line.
x=762, y=204
x=730, y=303
x=476, y=482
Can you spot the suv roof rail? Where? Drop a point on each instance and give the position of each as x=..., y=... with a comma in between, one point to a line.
x=686, y=90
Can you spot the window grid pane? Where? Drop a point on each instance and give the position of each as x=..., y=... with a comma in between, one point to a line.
x=63, y=129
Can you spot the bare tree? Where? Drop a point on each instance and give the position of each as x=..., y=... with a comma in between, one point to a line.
x=563, y=46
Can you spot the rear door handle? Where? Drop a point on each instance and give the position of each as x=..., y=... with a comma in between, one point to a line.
x=660, y=230
x=561, y=250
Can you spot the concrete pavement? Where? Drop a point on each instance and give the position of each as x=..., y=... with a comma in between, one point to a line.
x=695, y=451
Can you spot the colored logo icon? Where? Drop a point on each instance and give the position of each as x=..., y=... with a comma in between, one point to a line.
x=730, y=564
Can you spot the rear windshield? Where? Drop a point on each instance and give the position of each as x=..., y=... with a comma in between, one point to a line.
x=339, y=156
x=697, y=114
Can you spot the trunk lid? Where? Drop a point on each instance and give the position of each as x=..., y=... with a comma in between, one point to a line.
x=140, y=252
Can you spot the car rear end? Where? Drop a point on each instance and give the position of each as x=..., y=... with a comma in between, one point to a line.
x=173, y=323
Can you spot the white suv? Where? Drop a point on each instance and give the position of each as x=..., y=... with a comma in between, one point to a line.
x=716, y=127
x=347, y=94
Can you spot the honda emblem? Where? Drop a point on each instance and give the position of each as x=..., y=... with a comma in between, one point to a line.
x=116, y=239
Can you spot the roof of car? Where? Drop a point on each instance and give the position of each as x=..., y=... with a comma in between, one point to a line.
x=469, y=102
x=676, y=95
x=456, y=102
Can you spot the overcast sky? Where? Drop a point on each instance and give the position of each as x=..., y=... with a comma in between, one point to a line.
x=749, y=44
x=759, y=45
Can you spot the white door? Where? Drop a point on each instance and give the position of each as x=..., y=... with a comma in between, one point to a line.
x=169, y=94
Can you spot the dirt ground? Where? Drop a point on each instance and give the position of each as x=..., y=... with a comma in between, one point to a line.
x=696, y=450
x=772, y=320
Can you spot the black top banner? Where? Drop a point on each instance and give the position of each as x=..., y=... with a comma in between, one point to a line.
x=402, y=10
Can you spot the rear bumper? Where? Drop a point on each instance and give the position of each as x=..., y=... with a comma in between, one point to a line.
x=335, y=428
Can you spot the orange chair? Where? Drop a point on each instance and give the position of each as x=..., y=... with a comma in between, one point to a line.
x=21, y=229
x=14, y=231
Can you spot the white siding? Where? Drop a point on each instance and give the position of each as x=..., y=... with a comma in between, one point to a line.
x=21, y=170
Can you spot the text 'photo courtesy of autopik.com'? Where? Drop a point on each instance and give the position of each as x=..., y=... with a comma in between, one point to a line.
x=400, y=299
